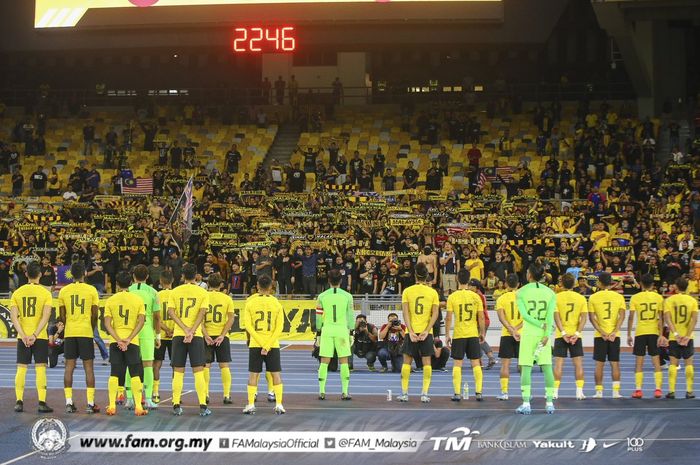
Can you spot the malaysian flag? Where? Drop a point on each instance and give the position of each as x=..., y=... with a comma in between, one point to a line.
x=481, y=180
x=138, y=186
x=505, y=172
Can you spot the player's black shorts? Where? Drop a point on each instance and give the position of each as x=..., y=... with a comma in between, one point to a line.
x=647, y=343
x=221, y=353
x=418, y=349
x=563, y=349
x=39, y=351
x=272, y=360
x=676, y=350
x=78, y=347
x=131, y=357
x=181, y=351
x=466, y=346
x=606, y=350
x=166, y=345
x=509, y=347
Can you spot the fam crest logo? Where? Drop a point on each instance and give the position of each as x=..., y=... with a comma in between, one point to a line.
x=50, y=437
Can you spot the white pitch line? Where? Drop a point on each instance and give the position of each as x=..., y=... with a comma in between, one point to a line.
x=22, y=457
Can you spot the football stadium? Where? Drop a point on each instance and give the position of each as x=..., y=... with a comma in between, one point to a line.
x=274, y=231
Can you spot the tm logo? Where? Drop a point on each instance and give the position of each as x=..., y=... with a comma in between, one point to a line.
x=455, y=443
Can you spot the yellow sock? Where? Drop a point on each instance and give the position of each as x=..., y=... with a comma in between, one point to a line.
x=112, y=389
x=178, y=381
x=405, y=375
x=226, y=381
x=504, y=385
x=156, y=387
x=557, y=383
x=689, y=377
x=580, y=383
x=478, y=379
x=638, y=380
x=616, y=386
x=91, y=396
x=252, y=390
x=278, y=389
x=136, y=389
x=40, y=371
x=672, y=375
x=200, y=386
x=68, y=392
x=598, y=387
x=268, y=377
x=457, y=379
x=206, y=380
x=19, y=382
x=120, y=391
x=427, y=377
x=658, y=379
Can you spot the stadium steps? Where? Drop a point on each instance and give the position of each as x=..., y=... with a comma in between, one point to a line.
x=283, y=146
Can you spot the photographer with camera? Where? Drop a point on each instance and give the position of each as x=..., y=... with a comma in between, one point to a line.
x=365, y=341
x=391, y=336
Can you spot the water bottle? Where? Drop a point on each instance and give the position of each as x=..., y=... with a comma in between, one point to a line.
x=388, y=395
x=465, y=391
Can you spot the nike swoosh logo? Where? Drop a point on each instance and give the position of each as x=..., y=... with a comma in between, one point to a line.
x=605, y=445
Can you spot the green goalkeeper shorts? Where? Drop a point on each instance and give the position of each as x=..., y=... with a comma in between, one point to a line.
x=148, y=348
x=528, y=346
x=334, y=343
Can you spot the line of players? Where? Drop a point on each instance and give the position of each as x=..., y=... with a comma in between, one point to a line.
x=188, y=323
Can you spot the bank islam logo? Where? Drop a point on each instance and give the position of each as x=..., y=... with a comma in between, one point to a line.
x=456, y=443
x=49, y=437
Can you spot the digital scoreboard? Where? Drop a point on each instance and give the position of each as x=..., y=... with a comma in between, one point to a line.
x=252, y=13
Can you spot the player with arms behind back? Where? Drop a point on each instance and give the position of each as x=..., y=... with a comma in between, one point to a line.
x=570, y=318
x=466, y=308
x=166, y=332
x=217, y=324
x=30, y=310
x=681, y=312
x=187, y=306
x=537, y=304
x=78, y=311
x=607, y=312
x=335, y=318
x=124, y=317
x=512, y=322
x=648, y=305
x=263, y=319
x=420, y=304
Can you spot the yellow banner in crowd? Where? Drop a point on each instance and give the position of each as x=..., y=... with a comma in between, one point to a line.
x=299, y=320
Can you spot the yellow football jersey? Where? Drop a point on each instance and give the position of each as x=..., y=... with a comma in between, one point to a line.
x=606, y=304
x=465, y=305
x=680, y=308
x=165, y=320
x=30, y=301
x=124, y=309
x=263, y=318
x=570, y=305
x=220, y=306
x=510, y=310
x=420, y=299
x=78, y=300
x=649, y=307
x=188, y=300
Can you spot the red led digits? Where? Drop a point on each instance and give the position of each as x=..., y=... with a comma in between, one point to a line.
x=264, y=39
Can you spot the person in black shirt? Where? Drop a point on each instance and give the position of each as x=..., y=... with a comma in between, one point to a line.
x=341, y=164
x=433, y=178
x=389, y=180
x=95, y=275
x=88, y=138
x=176, y=156
x=379, y=163
x=310, y=160
x=410, y=177
x=17, y=182
x=233, y=158
x=392, y=283
x=48, y=275
x=283, y=271
x=55, y=333
x=297, y=179
x=444, y=161
x=356, y=165
x=406, y=276
x=237, y=280
x=365, y=181
x=246, y=184
x=39, y=180
x=333, y=153
x=189, y=155
x=76, y=180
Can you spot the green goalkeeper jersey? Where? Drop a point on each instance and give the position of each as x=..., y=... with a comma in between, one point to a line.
x=335, y=312
x=537, y=304
x=150, y=299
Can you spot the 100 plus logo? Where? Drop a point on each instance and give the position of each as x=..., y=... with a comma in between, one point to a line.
x=143, y=2
x=455, y=443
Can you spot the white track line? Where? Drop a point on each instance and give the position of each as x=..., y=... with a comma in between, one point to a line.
x=22, y=457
